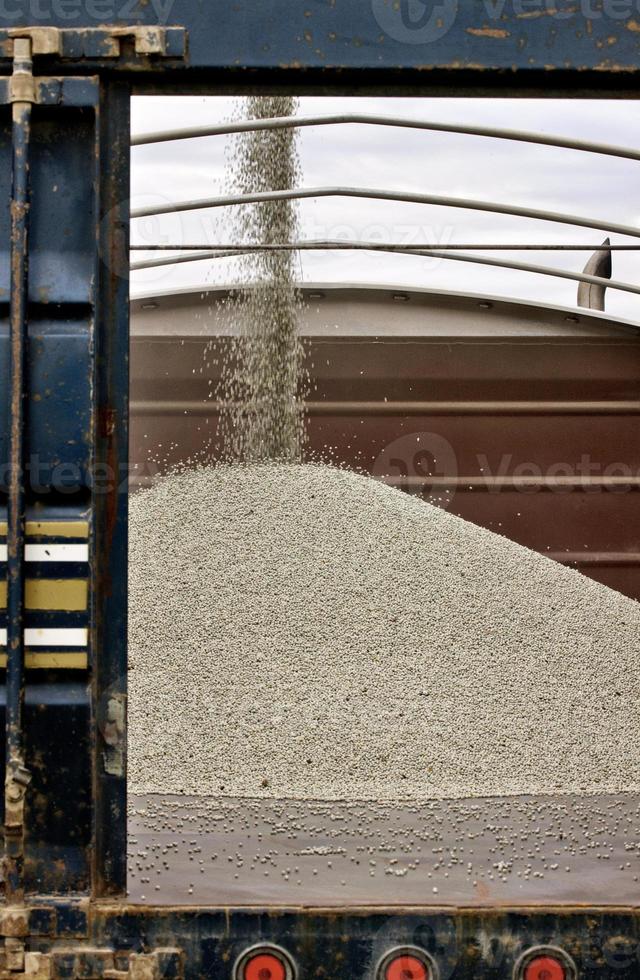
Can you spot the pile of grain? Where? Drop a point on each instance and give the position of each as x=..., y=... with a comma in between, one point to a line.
x=263, y=384
x=302, y=631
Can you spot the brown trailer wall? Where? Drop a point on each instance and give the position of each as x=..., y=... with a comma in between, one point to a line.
x=520, y=419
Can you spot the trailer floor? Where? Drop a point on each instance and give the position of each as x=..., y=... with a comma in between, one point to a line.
x=510, y=850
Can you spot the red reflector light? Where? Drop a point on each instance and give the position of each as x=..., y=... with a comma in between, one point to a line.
x=407, y=967
x=545, y=968
x=264, y=966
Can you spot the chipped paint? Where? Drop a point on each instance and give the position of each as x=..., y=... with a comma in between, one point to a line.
x=494, y=32
x=113, y=730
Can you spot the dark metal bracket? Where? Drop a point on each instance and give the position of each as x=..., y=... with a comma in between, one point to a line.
x=101, y=42
x=68, y=960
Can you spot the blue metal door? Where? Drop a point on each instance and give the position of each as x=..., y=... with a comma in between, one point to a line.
x=63, y=447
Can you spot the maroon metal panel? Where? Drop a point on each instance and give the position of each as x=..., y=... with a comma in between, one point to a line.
x=534, y=438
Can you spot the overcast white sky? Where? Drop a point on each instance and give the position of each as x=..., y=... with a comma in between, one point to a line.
x=366, y=156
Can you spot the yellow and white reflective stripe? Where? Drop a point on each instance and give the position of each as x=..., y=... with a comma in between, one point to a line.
x=48, y=659
x=52, y=529
x=57, y=552
x=48, y=542
x=61, y=594
x=51, y=637
x=57, y=529
x=51, y=552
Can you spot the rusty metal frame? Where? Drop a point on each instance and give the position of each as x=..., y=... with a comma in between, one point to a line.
x=109, y=530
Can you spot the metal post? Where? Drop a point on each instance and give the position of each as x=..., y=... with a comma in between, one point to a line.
x=17, y=776
x=590, y=294
x=109, y=542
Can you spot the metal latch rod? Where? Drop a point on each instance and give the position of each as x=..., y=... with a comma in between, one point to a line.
x=17, y=776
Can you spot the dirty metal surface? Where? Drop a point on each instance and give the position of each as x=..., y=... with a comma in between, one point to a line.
x=79, y=939
x=521, y=850
x=64, y=566
x=111, y=457
x=59, y=419
x=58, y=805
x=62, y=274
x=347, y=944
x=280, y=36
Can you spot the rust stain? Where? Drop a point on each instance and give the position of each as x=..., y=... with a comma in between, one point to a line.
x=458, y=64
x=15, y=923
x=610, y=66
x=484, y=893
x=495, y=32
x=633, y=25
x=113, y=734
x=107, y=422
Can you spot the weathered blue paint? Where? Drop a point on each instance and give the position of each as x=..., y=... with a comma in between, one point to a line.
x=57, y=717
x=374, y=36
x=56, y=453
x=76, y=455
x=59, y=420
x=62, y=246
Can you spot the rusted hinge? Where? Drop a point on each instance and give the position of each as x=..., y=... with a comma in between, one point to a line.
x=16, y=783
x=14, y=929
x=12, y=922
x=148, y=41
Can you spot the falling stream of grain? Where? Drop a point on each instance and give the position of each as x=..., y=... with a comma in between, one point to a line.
x=263, y=383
